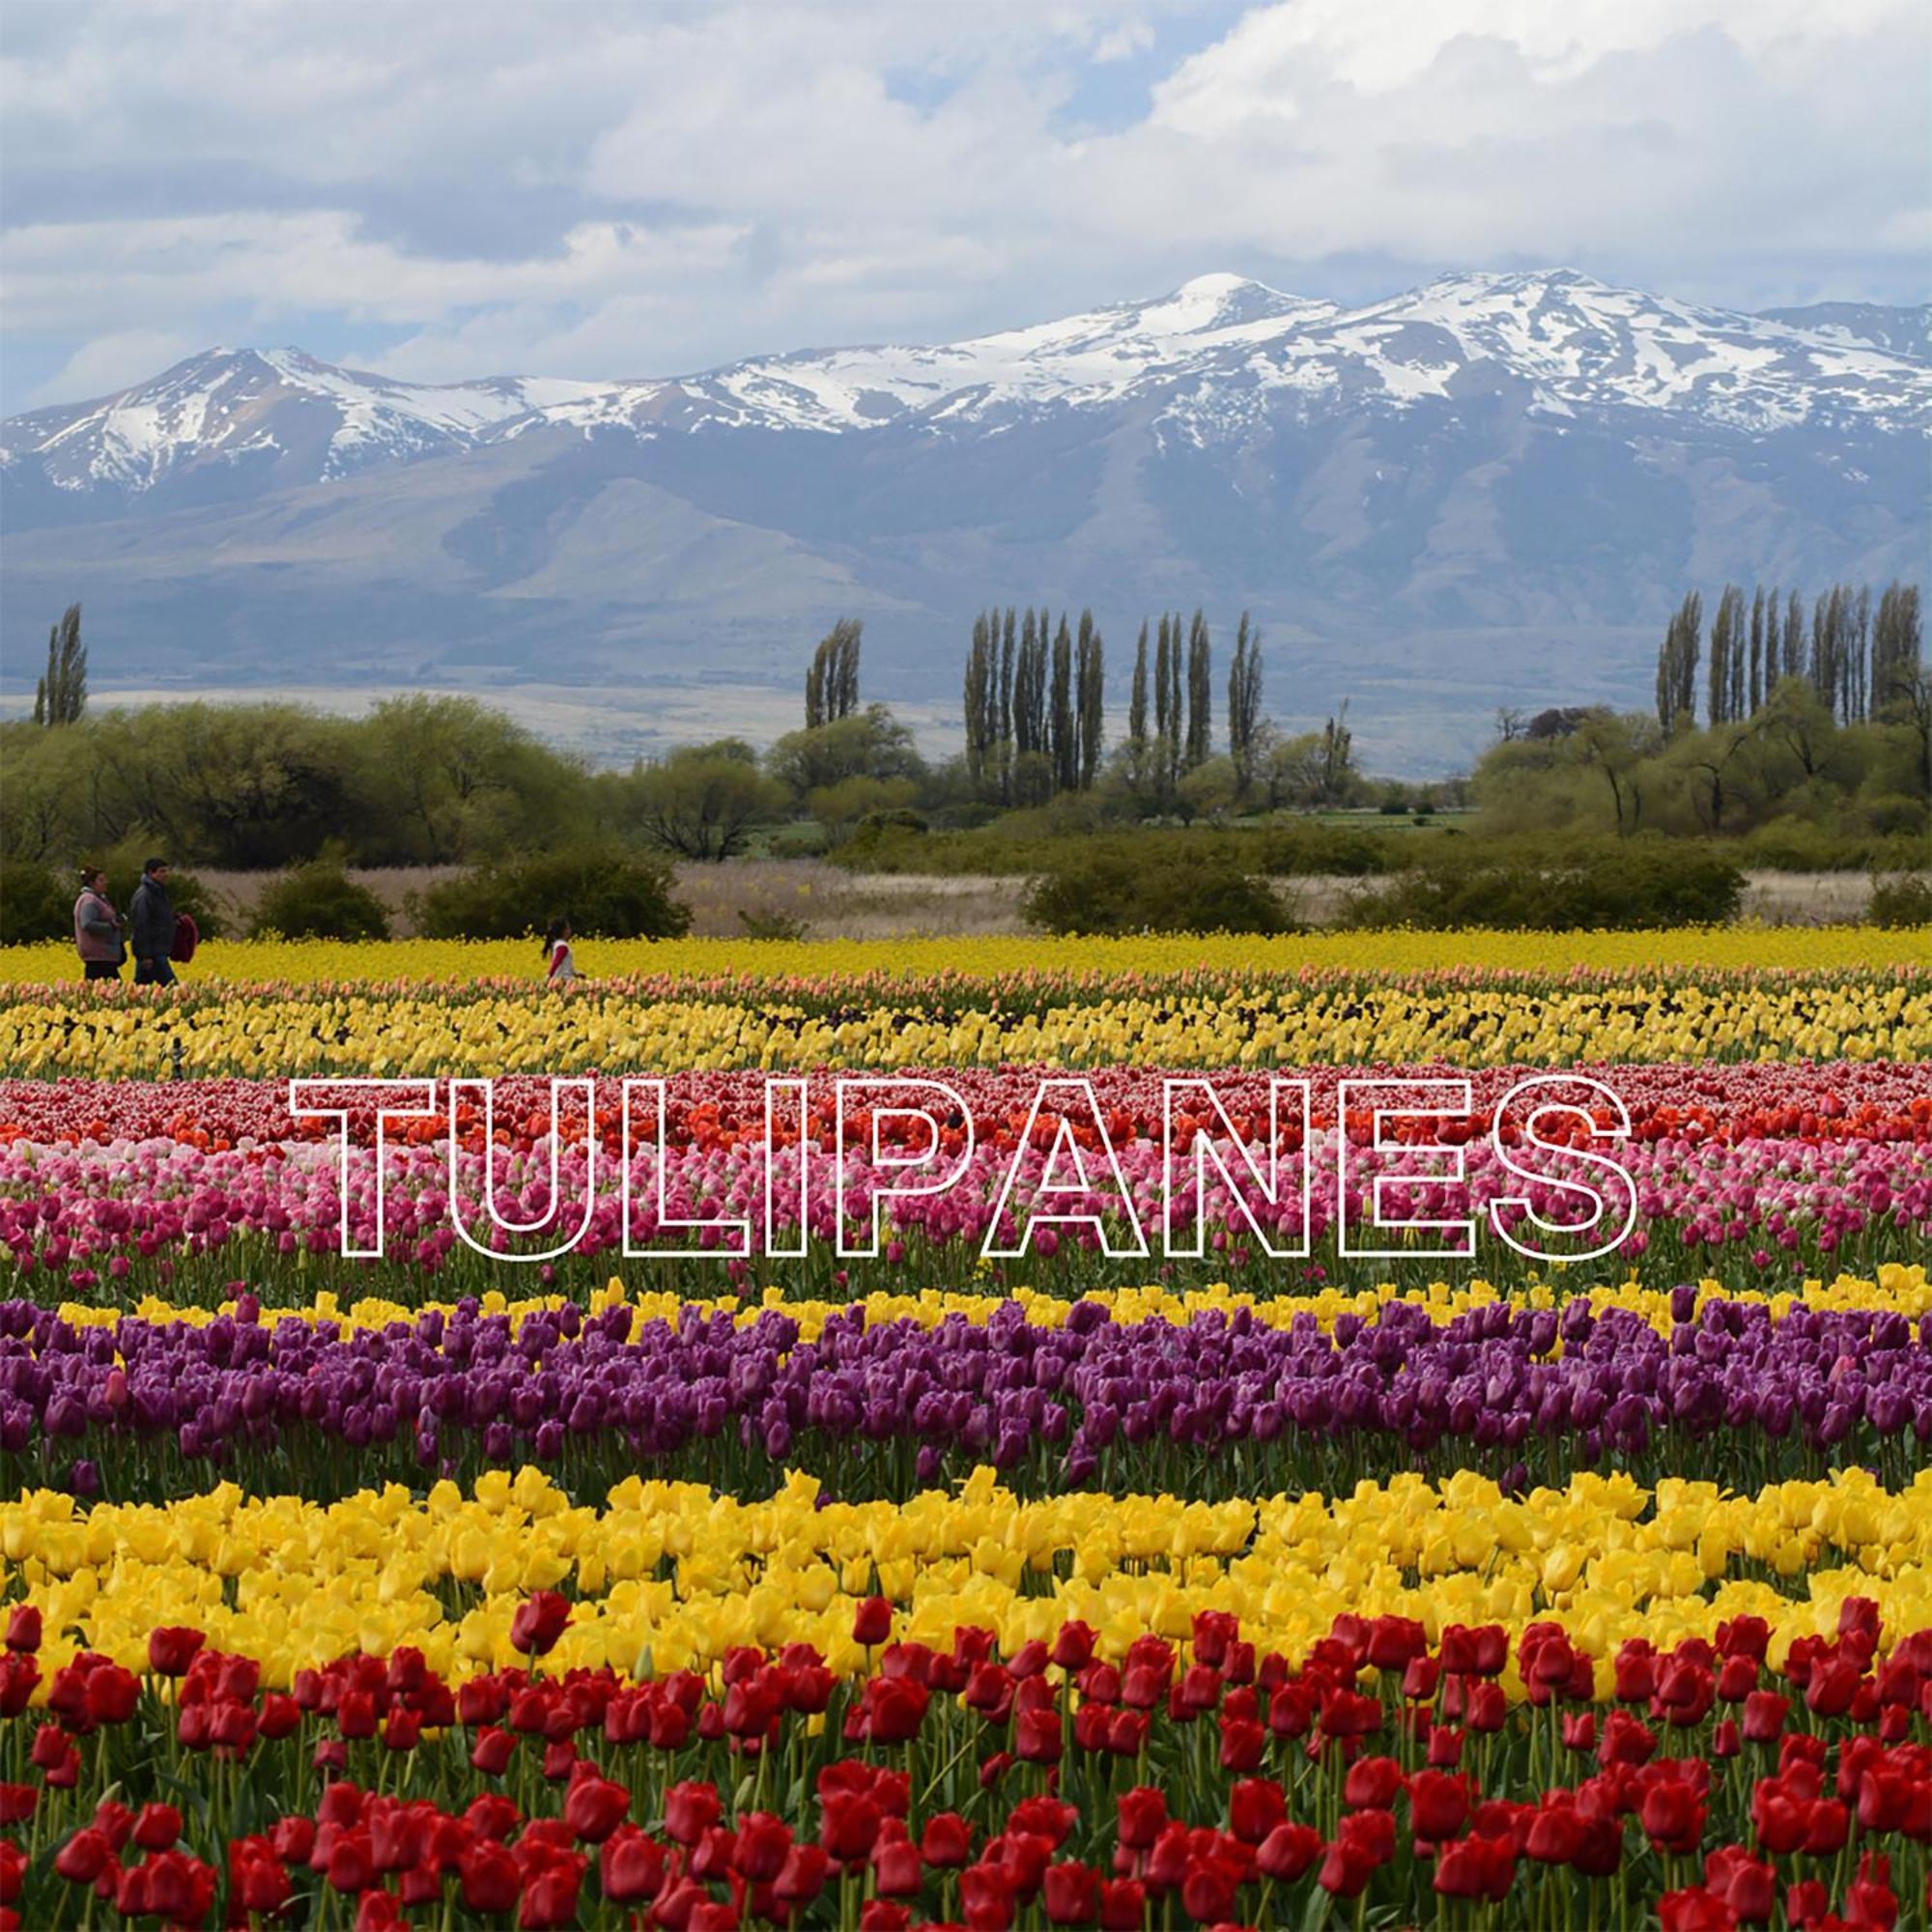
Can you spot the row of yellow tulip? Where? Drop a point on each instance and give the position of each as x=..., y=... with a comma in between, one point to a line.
x=669, y=1576
x=1896, y=1288
x=258, y=961
x=270, y=1035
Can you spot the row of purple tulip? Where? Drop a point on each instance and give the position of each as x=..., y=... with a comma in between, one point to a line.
x=1218, y=1405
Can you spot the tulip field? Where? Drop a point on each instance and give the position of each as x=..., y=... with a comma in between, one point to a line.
x=631, y=1500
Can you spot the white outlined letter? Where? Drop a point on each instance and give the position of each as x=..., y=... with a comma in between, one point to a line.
x=738, y=1247
x=1065, y=1141
x=424, y=1104
x=882, y=1158
x=1620, y=1131
x=588, y=1089
x=1458, y=1098
x=1206, y=1151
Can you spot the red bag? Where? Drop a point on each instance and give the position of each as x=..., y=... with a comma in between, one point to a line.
x=187, y=936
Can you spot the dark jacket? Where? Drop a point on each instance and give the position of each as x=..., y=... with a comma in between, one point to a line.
x=151, y=921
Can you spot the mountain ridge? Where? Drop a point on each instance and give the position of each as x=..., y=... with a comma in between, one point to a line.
x=1537, y=459
x=222, y=405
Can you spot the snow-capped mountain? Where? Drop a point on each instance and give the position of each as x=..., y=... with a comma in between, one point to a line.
x=1213, y=356
x=264, y=419
x=1482, y=490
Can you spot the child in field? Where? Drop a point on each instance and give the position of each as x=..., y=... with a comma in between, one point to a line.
x=556, y=948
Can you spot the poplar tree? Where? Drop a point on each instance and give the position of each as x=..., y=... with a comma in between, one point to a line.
x=1677, y=665
x=1794, y=636
x=1172, y=734
x=1090, y=680
x=1898, y=645
x=1244, y=701
x=1755, y=681
x=1137, y=701
x=1200, y=694
x=1063, y=736
x=1725, y=690
x=978, y=697
x=831, y=682
x=60, y=696
x=1003, y=708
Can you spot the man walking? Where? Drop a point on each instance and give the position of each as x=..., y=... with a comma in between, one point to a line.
x=97, y=928
x=152, y=926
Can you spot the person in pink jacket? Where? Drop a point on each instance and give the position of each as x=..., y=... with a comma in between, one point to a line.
x=98, y=931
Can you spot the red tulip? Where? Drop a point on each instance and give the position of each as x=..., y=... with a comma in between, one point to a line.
x=172, y=1648
x=631, y=1866
x=691, y=1809
x=1288, y=1852
x=1475, y=1867
x=156, y=1827
x=594, y=1807
x=538, y=1623
x=946, y=1842
x=1070, y=1892
x=84, y=1857
x=872, y=1621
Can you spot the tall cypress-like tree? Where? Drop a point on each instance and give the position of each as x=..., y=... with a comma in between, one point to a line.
x=1677, y=665
x=1137, y=700
x=1244, y=701
x=977, y=697
x=1897, y=647
x=1754, y=680
x=1023, y=676
x=1003, y=707
x=1165, y=732
x=1794, y=636
x=1177, y=717
x=1726, y=676
x=1090, y=701
x=61, y=694
x=1862, y=647
x=831, y=681
x=1062, y=734
x=1200, y=694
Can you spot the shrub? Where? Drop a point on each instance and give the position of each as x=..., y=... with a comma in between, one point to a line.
x=1905, y=900
x=319, y=900
x=606, y=895
x=34, y=903
x=771, y=925
x=1633, y=886
x=1117, y=888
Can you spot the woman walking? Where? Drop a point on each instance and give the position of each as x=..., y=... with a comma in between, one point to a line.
x=97, y=928
x=556, y=948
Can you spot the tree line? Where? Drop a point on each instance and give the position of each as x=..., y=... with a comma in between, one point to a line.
x=1860, y=661
x=1036, y=727
x=1817, y=740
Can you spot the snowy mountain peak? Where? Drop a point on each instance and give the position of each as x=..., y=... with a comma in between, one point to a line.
x=1211, y=361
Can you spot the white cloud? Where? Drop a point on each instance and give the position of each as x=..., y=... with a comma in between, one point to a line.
x=106, y=363
x=600, y=189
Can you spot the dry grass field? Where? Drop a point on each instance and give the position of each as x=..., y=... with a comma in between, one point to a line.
x=826, y=902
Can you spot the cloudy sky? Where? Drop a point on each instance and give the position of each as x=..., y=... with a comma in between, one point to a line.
x=447, y=189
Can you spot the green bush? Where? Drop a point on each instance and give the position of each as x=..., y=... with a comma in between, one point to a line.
x=606, y=895
x=1115, y=889
x=34, y=903
x=1905, y=900
x=319, y=900
x=1638, y=885
x=1035, y=840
